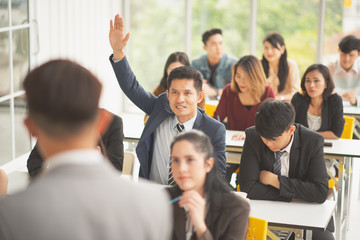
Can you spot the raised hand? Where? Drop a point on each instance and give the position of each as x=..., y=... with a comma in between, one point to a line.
x=117, y=38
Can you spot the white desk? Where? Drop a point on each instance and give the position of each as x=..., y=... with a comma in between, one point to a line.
x=351, y=110
x=295, y=215
x=344, y=150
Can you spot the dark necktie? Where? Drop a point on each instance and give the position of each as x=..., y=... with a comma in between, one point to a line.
x=277, y=164
x=179, y=127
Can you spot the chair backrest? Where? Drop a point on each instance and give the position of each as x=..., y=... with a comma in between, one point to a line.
x=210, y=109
x=257, y=228
x=348, y=127
x=131, y=165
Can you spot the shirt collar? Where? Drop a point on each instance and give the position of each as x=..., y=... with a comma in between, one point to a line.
x=83, y=156
x=288, y=147
x=188, y=124
x=354, y=67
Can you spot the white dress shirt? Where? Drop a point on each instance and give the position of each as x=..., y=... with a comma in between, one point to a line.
x=285, y=158
x=163, y=136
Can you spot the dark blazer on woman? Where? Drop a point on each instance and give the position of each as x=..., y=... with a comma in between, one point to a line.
x=331, y=113
x=112, y=140
x=226, y=221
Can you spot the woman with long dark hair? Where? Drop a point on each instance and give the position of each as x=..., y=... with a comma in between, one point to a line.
x=206, y=207
x=317, y=107
x=282, y=73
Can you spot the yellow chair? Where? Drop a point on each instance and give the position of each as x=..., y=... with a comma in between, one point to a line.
x=348, y=128
x=257, y=228
x=210, y=109
x=347, y=133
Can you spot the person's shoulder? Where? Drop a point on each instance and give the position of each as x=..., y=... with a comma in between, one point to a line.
x=291, y=62
x=335, y=97
x=297, y=97
x=159, y=90
x=269, y=90
x=250, y=132
x=227, y=88
x=230, y=58
x=199, y=60
x=209, y=123
x=334, y=100
x=307, y=135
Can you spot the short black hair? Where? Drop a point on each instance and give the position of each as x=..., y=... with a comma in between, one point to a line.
x=62, y=96
x=349, y=43
x=186, y=72
x=206, y=35
x=325, y=72
x=273, y=118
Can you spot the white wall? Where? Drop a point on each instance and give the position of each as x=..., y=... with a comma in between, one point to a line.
x=78, y=30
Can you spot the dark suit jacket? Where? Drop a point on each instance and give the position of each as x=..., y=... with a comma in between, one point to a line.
x=308, y=179
x=158, y=108
x=112, y=140
x=227, y=221
x=331, y=113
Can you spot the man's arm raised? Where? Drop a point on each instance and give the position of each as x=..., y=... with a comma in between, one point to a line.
x=117, y=38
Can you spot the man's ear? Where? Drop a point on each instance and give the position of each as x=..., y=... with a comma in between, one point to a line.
x=104, y=120
x=201, y=96
x=30, y=126
x=292, y=129
x=204, y=47
x=167, y=93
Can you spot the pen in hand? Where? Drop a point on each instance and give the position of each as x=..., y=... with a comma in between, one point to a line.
x=174, y=200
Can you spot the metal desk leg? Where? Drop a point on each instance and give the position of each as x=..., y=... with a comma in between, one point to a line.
x=299, y=234
x=348, y=177
x=340, y=198
x=308, y=234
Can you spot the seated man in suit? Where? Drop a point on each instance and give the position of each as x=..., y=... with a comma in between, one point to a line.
x=80, y=195
x=177, y=108
x=282, y=160
x=110, y=144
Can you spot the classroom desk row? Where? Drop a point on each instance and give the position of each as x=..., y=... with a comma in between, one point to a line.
x=344, y=150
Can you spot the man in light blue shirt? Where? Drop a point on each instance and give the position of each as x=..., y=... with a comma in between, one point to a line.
x=215, y=65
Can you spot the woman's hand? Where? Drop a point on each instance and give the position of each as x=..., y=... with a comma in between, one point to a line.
x=196, y=205
x=238, y=136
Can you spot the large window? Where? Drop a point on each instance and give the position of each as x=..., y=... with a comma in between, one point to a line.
x=296, y=21
x=14, y=64
x=232, y=16
x=157, y=29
